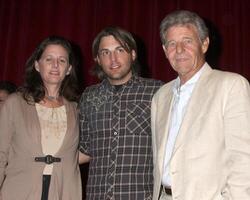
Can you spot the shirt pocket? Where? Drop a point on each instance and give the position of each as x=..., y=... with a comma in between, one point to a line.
x=138, y=118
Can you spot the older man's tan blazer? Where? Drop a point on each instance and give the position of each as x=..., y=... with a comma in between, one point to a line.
x=211, y=157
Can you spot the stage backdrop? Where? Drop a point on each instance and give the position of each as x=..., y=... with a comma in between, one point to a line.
x=24, y=23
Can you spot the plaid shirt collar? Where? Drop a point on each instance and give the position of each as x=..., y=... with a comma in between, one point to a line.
x=132, y=81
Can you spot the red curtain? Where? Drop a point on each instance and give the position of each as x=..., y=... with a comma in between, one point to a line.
x=24, y=23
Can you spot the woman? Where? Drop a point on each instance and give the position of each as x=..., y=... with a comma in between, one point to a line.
x=39, y=129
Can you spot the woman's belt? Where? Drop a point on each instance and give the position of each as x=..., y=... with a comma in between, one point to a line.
x=48, y=159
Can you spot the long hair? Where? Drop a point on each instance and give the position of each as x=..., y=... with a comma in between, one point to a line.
x=33, y=89
x=125, y=39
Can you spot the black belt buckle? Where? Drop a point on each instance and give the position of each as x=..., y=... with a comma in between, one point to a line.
x=167, y=190
x=48, y=159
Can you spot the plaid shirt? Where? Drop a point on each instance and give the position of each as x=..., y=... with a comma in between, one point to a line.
x=116, y=133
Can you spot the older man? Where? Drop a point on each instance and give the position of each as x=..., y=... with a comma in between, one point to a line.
x=200, y=121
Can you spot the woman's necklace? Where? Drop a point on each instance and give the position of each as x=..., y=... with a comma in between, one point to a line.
x=52, y=98
x=54, y=102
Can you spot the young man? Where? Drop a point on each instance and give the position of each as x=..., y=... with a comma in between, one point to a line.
x=200, y=121
x=115, y=122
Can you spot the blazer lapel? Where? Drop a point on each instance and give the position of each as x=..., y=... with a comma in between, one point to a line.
x=71, y=125
x=33, y=127
x=194, y=107
x=163, y=121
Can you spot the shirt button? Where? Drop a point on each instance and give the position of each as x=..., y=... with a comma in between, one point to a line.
x=115, y=133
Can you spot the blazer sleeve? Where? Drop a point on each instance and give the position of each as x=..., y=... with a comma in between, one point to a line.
x=237, y=138
x=6, y=132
